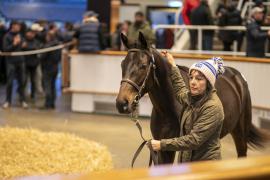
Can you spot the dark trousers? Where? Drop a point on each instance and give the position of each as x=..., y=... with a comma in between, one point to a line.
x=49, y=79
x=31, y=72
x=15, y=71
x=3, y=72
x=193, y=34
x=227, y=46
x=207, y=42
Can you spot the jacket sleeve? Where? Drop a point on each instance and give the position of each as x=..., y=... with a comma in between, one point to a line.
x=179, y=86
x=255, y=33
x=8, y=44
x=205, y=126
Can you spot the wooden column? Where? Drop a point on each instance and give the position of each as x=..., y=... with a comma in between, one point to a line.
x=115, y=8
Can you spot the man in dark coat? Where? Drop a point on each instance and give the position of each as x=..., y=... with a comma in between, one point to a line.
x=202, y=16
x=256, y=38
x=2, y=58
x=49, y=66
x=13, y=42
x=31, y=61
x=90, y=34
x=230, y=17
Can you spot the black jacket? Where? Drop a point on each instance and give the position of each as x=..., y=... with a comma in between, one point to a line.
x=255, y=39
x=50, y=60
x=202, y=16
x=231, y=17
x=9, y=47
x=31, y=60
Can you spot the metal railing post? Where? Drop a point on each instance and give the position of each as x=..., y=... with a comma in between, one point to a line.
x=200, y=39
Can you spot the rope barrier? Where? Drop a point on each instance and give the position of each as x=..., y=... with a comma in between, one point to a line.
x=38, y=51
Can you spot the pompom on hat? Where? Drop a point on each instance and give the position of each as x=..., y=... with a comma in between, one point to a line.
x=210, y=68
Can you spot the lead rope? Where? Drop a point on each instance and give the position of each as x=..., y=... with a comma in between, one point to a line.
x=153, y=154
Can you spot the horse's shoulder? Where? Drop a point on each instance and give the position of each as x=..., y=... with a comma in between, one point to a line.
x=183, y=69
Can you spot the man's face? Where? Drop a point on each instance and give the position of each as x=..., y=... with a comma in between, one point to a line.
x=16, y=28
x=139, y=18
x=258, y=16
x=30, y=35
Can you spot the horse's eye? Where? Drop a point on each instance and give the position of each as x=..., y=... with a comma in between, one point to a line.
x=143, y=66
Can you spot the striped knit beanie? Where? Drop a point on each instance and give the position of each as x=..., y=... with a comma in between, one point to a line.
x=210, y=68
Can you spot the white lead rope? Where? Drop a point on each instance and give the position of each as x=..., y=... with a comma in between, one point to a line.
x=38, y=51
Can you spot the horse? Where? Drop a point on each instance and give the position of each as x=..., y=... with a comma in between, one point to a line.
x=145, y=70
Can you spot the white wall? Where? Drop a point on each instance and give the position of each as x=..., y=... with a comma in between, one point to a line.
x=101, y=74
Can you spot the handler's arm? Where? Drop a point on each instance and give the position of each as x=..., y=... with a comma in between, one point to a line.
x=206, y=125
x=179, y=86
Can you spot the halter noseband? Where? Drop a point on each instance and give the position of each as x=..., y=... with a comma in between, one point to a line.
x=135, y=85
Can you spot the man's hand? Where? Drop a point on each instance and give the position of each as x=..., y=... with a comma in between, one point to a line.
x=16, y=40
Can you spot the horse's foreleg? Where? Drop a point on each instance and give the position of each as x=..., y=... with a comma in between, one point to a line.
x=166, y=157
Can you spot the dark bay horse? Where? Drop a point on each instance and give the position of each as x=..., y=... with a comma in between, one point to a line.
x=231, y=87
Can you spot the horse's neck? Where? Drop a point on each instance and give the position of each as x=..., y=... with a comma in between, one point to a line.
x=161, y=94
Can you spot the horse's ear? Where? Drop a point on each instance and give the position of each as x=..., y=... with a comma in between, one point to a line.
x=124, y=40
x=143, y=41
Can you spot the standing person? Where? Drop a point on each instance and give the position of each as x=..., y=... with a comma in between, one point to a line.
x=31, y=61
x=40, y=35
x=115, y=38
x=141, y=25
x=2, y=58
x=49, y=66
x=202, y=16
x=230, y=17
x=90, y=34
x=124, y=29
x=256, y=38
x=13, y=42
x=203, y=115
x=188, y=6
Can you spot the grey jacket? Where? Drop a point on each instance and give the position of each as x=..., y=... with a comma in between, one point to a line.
x=199, y=135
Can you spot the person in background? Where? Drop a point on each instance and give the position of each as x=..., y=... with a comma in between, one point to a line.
x=115, y=38
x=90, y=34
x=39, y=28
x=256, y=38
x=124, y=29
x=230, y=17
x=68, y=33
x=202, y=16
x=31, y=61
x=49, y=66
x=13, y=42
x=141, y=25
x=188, y=6
x=3, y=31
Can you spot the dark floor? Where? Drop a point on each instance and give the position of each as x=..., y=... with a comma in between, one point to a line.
x=118, y=133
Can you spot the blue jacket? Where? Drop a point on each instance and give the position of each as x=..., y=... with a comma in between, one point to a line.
x=90, y=37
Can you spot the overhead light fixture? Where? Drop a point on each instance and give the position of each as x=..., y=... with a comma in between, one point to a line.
x=175, y=3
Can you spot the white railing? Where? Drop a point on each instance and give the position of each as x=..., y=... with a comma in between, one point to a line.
x=200, y=30
x=239, y=5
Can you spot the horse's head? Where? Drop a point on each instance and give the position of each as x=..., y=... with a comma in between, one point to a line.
x=136, y=73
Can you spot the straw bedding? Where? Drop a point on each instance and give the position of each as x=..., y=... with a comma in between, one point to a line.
x=27, y=152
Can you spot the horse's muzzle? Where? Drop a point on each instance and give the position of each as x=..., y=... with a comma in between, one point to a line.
x=123, y=106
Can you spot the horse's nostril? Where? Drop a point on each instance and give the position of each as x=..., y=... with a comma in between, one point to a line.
x=122, y=106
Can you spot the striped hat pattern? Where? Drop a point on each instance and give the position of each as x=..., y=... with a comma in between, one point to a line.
x=210, y=68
